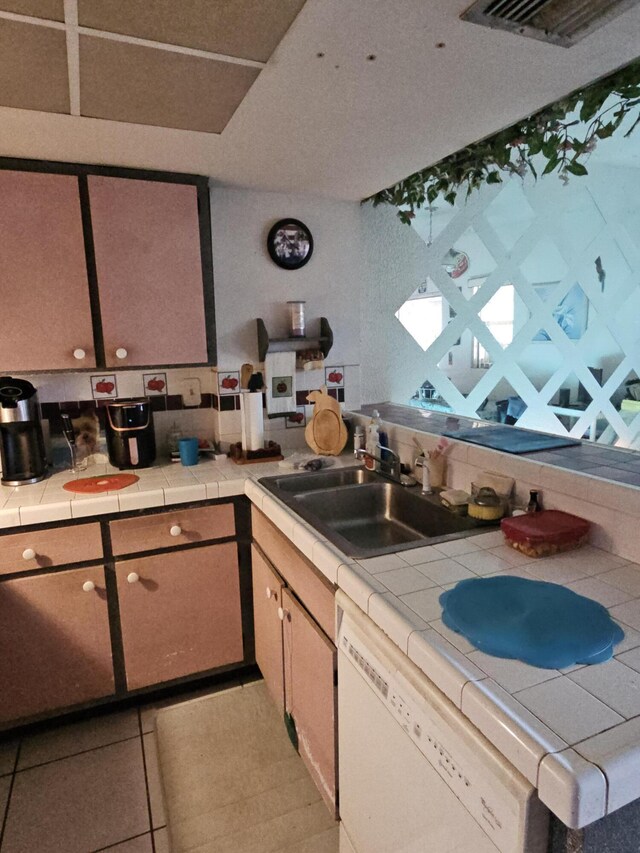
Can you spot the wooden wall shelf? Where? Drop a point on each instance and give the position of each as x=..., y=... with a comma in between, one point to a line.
x=323, y=342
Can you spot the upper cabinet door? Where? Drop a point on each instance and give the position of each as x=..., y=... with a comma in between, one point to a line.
x=46, y=313
x=148, y=263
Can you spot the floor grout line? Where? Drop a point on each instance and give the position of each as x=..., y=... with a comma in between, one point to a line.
x=146, y=781
x=74, y=754
x=123, y=841
x=5, y=817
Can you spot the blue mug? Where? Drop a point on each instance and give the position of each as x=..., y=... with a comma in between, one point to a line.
x=188, y=451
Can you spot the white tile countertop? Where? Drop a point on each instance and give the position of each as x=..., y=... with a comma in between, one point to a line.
x=162, y=484
x=165, y=483
x=575, y=733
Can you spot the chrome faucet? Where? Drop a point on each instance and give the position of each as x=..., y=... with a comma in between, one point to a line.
x=389, y=467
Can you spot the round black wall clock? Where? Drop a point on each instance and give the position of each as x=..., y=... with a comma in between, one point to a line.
x=290, y=244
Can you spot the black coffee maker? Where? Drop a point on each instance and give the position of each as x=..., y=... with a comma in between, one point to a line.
x=131, y=441
x=22, y=451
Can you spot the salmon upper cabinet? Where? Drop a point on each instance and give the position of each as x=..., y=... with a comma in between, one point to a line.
x=148, y=264
x=46, y=312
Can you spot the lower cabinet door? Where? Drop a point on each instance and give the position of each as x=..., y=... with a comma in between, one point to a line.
x=55, y=646
x=180, y=613
x=310, y=694
x=267, y=599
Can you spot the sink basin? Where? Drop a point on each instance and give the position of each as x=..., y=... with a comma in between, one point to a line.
x=299, y=483
x=366, y=515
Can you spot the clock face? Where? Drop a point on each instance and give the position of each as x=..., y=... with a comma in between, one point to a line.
x=290, y=244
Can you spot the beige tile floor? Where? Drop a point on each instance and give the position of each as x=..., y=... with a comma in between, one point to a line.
x=87, y=786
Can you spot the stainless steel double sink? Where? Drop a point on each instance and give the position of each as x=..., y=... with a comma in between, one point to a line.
x=367, y=515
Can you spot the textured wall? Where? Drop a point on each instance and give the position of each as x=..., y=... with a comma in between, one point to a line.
x=248, y=284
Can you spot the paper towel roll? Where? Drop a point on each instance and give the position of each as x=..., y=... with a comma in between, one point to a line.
x=252, y=420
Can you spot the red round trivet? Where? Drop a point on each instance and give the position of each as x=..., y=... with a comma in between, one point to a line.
x=94, y=485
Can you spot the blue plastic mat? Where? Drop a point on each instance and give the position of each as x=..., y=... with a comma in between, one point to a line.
x=540, y=623
x=511, y=440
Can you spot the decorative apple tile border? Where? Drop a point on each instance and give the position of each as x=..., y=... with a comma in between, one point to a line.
x=104, y=387
x=298, y=419
x=154, y=383
x=229, y=382
x=334, y=377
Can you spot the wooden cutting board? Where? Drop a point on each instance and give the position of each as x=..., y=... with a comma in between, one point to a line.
x=325, y=433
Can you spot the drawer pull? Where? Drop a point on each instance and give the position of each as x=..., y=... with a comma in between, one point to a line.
x=133, y=577
x=28, y=554
x=175, y=530
x=79, y=353
x=271, y=593
x=121, y=353
x=282, y=614
x=88, y=586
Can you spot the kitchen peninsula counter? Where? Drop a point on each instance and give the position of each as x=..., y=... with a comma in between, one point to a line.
x=574, y=734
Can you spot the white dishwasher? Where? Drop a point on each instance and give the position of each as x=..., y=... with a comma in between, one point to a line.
x=415, y=775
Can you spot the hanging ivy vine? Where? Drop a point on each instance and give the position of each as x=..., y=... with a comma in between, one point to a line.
x=562, y=139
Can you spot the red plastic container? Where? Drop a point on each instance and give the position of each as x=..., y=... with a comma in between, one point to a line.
x=541, y=534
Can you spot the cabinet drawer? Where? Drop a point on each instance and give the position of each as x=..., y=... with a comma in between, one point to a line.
x=54, y=547
x=315, y=591
x=176, y=527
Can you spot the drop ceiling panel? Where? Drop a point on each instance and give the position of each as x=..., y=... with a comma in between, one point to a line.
x=33, y=67
x=250, y=29
x=52, y=10
x=143, y=85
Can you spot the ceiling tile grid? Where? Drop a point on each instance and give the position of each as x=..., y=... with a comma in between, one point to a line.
x=249, y=29
x=142, y=85
x=33, y=67
x=152, y=62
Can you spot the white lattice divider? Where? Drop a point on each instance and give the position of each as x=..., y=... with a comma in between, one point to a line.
x=550, y=207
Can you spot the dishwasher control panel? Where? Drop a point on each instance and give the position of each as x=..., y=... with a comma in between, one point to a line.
x=486, y=795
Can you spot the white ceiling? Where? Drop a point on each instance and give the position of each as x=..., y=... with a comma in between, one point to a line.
x=342, y=125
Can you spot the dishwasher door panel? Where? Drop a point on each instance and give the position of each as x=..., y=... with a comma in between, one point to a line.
x=392, y=800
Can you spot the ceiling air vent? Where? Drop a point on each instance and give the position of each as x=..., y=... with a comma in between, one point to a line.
x=562, y=22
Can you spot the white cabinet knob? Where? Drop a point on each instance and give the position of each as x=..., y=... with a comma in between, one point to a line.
x=282, y=614
x=79, y=353
x=175, y=530
x=121, y=353
x=270, y=592
x=133, y=577
x=28, y=554
x=88, y=586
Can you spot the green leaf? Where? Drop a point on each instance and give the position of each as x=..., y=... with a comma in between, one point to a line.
x=535, y=144
x=576, y=168
x=543, y=132
x=605, y=130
